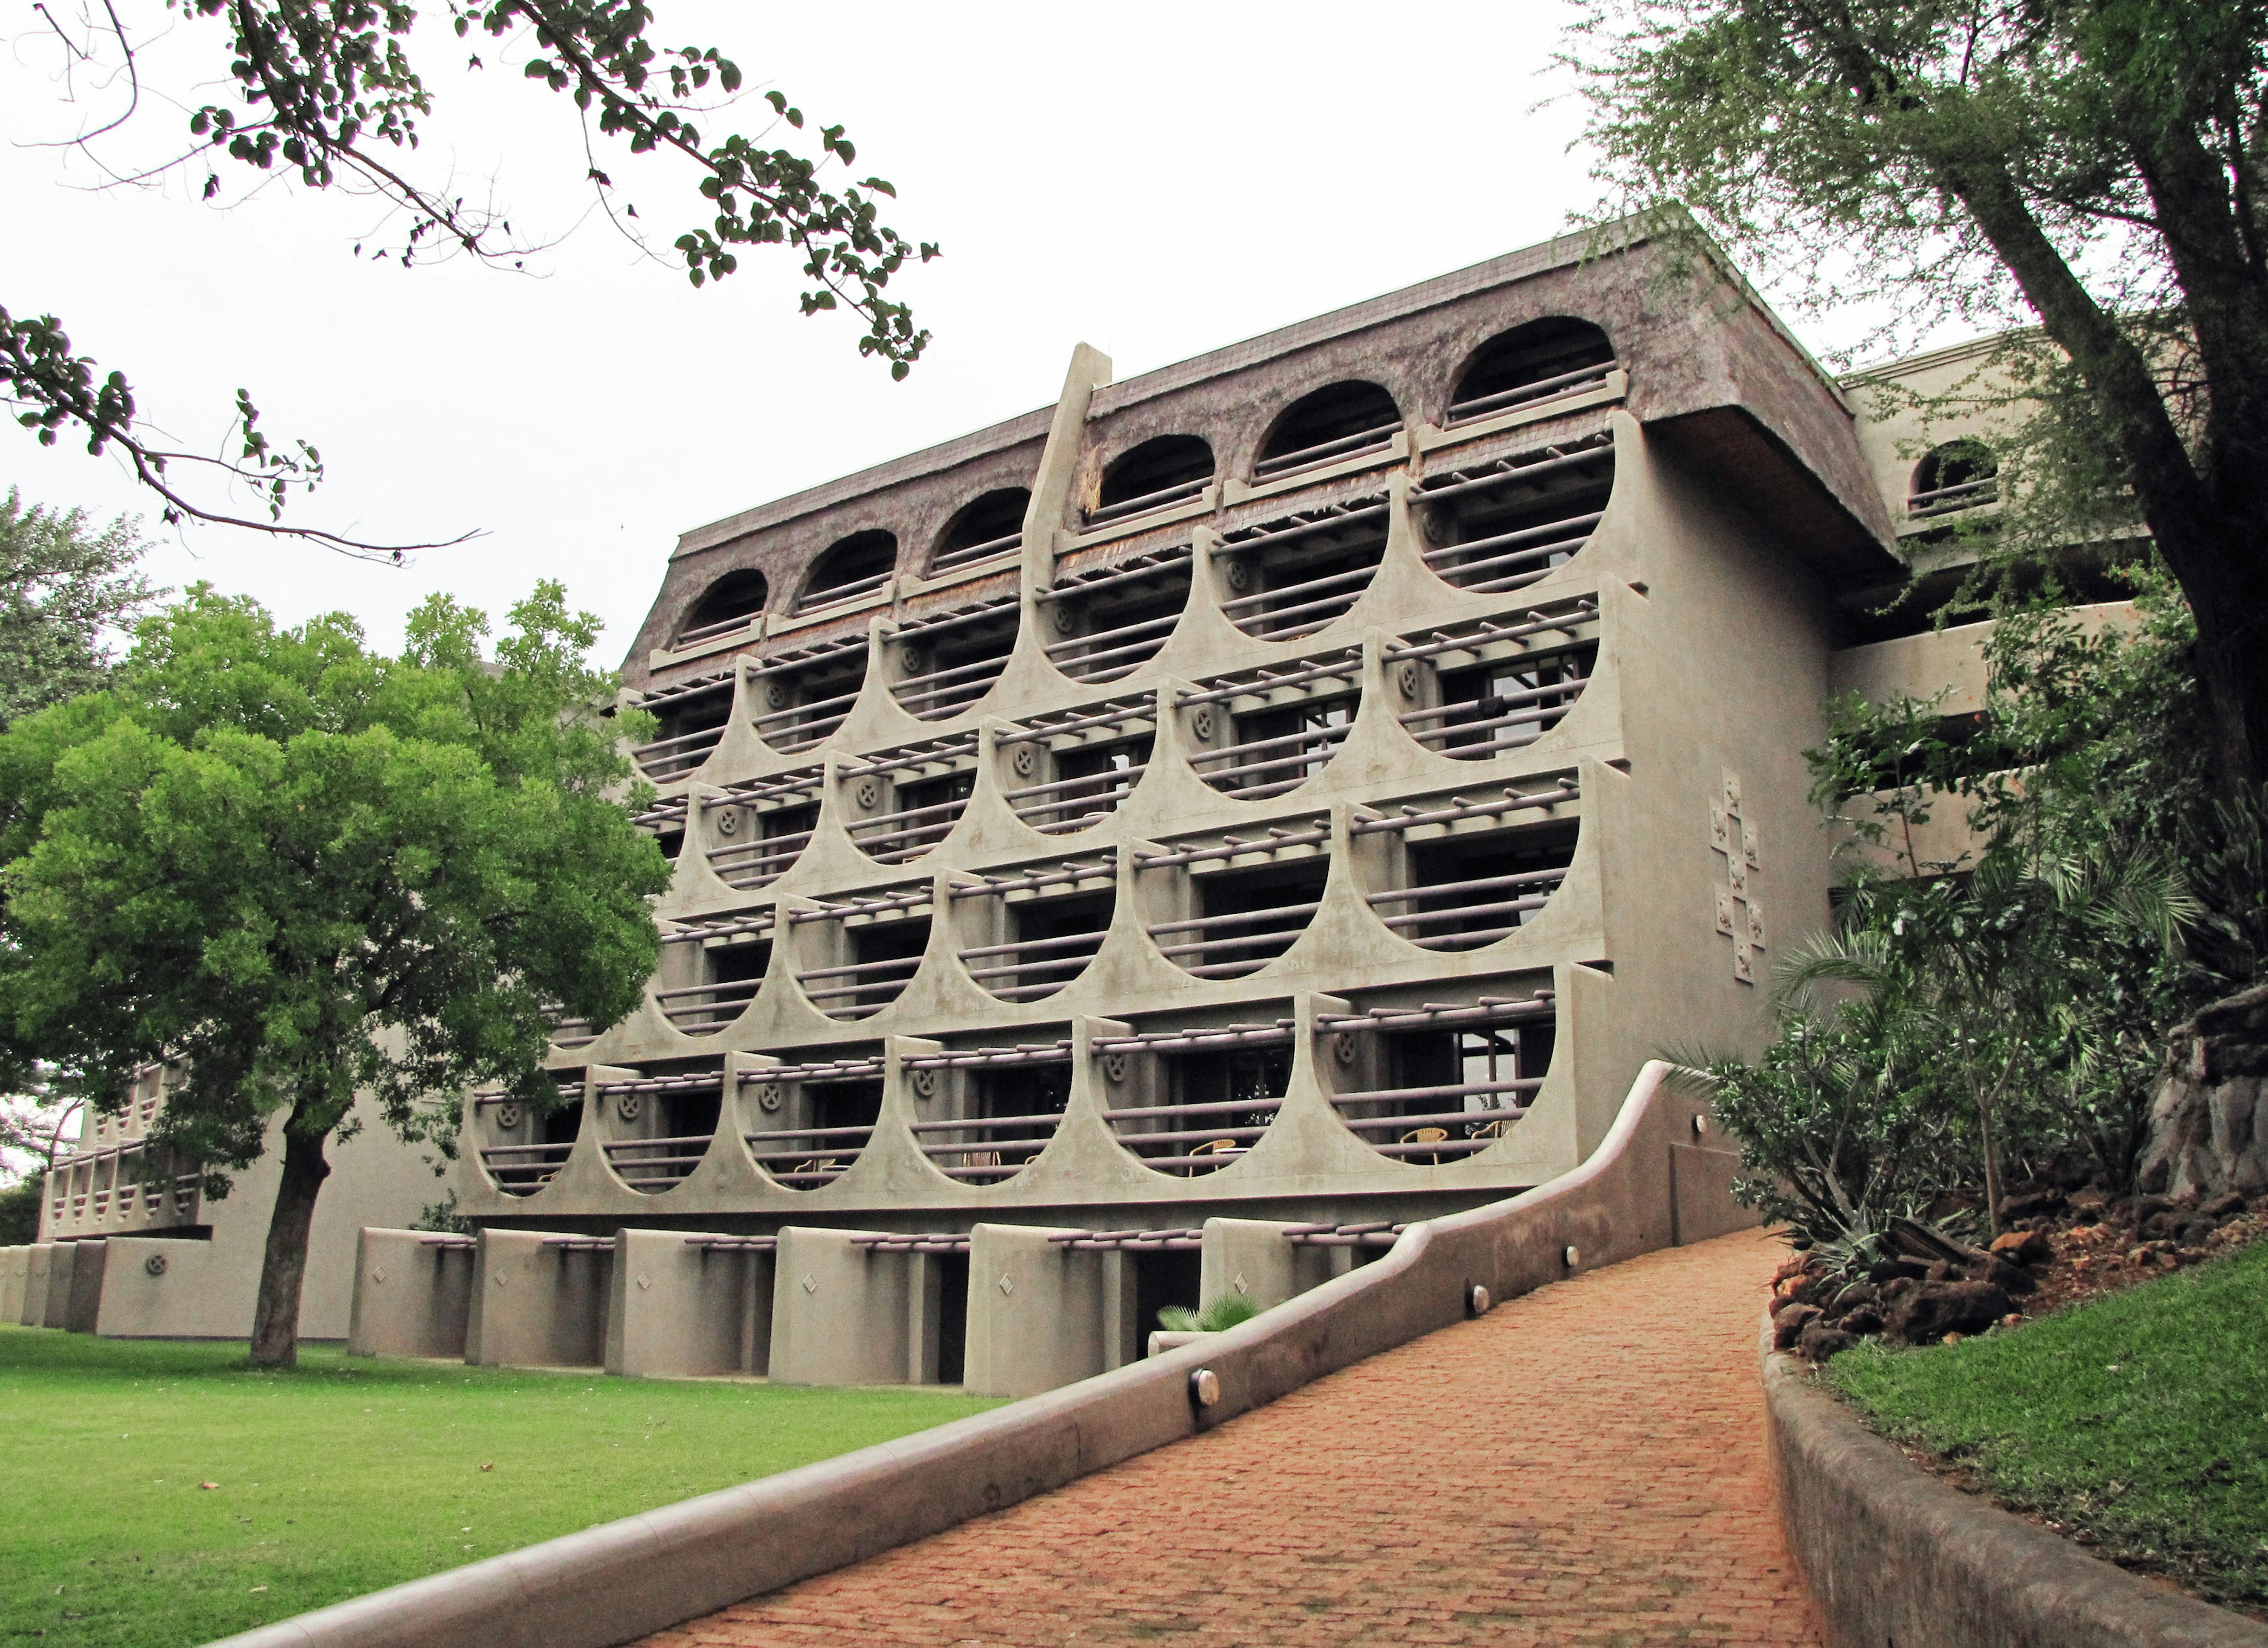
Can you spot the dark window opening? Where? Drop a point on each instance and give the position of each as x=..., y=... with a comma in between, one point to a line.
x=845, y=1105
x=1331, y=423
x=671, y=842
x=1493, y=709
x=855, y=566
x=1163, y=1280
x=563, y=1125
x=933, y=792
x=993, y=525
x=740, y=963
x=1112, y=769
x=1958, y=475
x=1156, y=472
x=690, y=1115
x=1552, y=357
x=1491, y=886
x=891, y=941
x=726, y=605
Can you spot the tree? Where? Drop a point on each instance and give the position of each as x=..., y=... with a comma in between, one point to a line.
x=328, y=96
x=62, y=586
x=2096, y=163
x=305, y=870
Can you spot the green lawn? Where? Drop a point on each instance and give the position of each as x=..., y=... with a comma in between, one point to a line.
x=345, y=1475
x=2141, y=1420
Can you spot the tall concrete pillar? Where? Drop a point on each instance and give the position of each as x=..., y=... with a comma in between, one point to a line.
x=680, y=1306
x=1036, y=1312
x=412, y=1294
x=538, y=1301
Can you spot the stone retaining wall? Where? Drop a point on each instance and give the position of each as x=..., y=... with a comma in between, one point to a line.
x=1895, y=1556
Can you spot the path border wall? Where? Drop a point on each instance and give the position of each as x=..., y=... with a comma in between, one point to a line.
x=1891, y=1554
x=622, y=1580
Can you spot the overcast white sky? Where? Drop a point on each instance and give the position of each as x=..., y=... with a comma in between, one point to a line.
x=1155, y=180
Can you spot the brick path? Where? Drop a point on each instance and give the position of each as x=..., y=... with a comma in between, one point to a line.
x=1584, y=1466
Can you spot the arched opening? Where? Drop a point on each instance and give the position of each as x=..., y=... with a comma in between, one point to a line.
x=1335, y=422
x=992, y=525
x=852, y=567
x=1544, y=359
x=1958, y=475
x=1157, y=473
x=730, y=603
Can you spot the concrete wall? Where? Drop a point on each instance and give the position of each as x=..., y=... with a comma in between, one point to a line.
x=1036, y=1312
x=39, y=1272
x=537, y=1304
x=63, y=1265
x=15, y=1275
x=677, y=1308
x=412, y=1294
x=840, y=1312
x=1256, y=1259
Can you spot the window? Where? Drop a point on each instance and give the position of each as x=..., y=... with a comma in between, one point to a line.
x=726, y=605
x=992, y=525
x=1153, y=474
x=1555, y=355
x=1958, y=475
x=852, y=567
x=1332, y=422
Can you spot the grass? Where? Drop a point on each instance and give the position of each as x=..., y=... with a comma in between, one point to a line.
x=346, y=1474
x=2140, y=1422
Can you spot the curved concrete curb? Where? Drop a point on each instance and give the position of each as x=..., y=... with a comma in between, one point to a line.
x=619, y=1581
x=1893, y=1556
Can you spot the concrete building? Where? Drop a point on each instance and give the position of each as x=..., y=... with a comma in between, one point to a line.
x=130, y=1247
x=1293, y=790
x=1163, y=843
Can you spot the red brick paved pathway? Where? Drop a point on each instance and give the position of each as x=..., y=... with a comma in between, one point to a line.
x=1582, y=1466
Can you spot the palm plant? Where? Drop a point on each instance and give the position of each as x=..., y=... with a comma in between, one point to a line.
x=1222, y=1315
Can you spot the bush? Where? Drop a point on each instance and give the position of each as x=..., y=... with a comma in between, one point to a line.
x=1222, y=1315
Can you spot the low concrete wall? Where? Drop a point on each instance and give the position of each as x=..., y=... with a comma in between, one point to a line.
x=840, y=1312
x=1892, y=1554
x=15, y=1272
x=1256, y=1259
x=535, y=1304
x=677, y=1309
x=1036, y=1312
x=39, y=1271
x=412, y=1294
x=613, y=1584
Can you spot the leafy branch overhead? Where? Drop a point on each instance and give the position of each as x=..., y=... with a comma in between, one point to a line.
x=327, y=92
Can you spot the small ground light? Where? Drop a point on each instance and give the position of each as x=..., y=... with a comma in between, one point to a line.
x=1204, y=1387
x=1700, y=1126
x=1478, y=1297
x=1572, y=1255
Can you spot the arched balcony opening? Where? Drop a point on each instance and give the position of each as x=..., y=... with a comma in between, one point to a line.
x=807, y=1120
x=726, y=958
x=1536, y=362
x=849, y=569
x=1504, y=524
x=1193, y=1100
x=1477, y=691
x=1110, y=620
x=802, y=695
x=985, y=1114
x=1290, y=576
x=731, y=603
x=903, y=802
x=1260, y=733
x=947, y=661
x=523, y=1145
x=1070, y=771
x=655, y=1127
x=1159, y=473
x=1340, y=420
x=992, y=525
x=690, y=717
x=1434, y=1084
x=761, y=827
x=1224, y=909
x=1958, y=475
x=855, y=956
x=1457, y=872
x=1026, y=934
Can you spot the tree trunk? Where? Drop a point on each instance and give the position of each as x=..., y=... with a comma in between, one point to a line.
x=275, y=1318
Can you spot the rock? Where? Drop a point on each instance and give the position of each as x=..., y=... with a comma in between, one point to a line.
x=2031, y=1204
x=1802, y=1264
x=1860, y=1322
x=1820, y=1341
x=2160, y=1226
x=1892, y=1270
x=1927, y=1313
x=2195, y=1232
x=2024, y=1247
x=1789, y=1320
x=2222, y=1208
x=2089, y=1201
x=2209, y=1121
x=1941, y=1271
x=2009, y=1278
x=1856, y=1294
